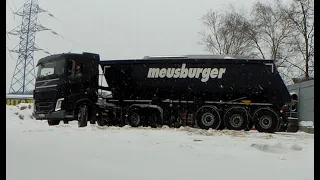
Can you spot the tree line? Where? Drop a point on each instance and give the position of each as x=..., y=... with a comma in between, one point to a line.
x=283, y=32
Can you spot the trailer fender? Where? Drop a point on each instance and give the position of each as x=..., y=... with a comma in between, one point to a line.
x=151, y=106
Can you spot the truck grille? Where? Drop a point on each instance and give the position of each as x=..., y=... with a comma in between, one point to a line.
x=45, y=101
x=43, y=96
x=44, y=106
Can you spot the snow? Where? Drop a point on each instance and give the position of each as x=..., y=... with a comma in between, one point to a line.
x=37, y=151
x=18, y=96
x=306, y=123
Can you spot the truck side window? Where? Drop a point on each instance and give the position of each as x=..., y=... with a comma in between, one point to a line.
x=78, y=71
x=71, y=67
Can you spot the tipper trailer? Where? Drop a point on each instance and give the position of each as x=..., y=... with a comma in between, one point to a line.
x=203, y=91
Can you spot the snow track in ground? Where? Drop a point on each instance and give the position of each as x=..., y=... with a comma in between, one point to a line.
x=37, y=151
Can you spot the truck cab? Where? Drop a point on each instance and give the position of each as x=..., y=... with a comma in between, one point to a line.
x=63, y=83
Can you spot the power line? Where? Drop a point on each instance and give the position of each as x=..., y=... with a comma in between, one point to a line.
x=24, y=74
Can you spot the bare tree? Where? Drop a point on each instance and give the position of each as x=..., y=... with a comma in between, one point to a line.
x=227, y=33
x=301, y=14
x=271, y=32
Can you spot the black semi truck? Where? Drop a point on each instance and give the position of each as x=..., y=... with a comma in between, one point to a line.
x=214, y=92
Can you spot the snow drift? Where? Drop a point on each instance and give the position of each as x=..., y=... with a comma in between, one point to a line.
x=37, y=151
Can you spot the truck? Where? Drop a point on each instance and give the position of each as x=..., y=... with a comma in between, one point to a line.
x=201, y=91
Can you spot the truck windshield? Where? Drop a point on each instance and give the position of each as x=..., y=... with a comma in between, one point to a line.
x=51, y=69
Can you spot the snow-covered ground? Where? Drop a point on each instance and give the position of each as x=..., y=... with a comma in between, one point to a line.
x=36, y=151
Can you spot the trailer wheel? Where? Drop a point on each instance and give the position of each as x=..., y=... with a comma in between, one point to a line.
x=53, y=122
x=134, y=118
x=208, y=117
x=236, y=118
x=266, y=120
x=83, y=116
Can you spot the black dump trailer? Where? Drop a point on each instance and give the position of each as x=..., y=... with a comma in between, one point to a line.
x=198, y=91
x=203, y=91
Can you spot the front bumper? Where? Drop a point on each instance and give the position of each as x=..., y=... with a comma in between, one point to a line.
x=55, y=115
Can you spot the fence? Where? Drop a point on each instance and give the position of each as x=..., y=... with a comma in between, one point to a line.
x=13, y=100
x=305, y=92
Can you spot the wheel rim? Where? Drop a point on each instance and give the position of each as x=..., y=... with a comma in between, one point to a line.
x=265, y=122
x=236, y=120
x=207, y=119
x=135, y=119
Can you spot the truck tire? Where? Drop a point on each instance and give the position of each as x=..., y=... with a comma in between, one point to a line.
x=66, y=122
x=101, y=121
x=208, y=117
x=53, y=122
x=236, y=118
x=83, y=116
x=266, y=120
x=134, y=118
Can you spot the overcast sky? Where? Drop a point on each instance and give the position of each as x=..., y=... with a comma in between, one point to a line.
x=118, y=29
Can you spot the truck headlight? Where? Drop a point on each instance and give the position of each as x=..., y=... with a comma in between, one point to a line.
x=58, y=104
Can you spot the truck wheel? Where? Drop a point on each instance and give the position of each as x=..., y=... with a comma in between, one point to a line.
x=134, y=118
x=208, y=117
x=236, y=118
x=83, y=116
x=66, y=122
x=101, y=121
x=266, y=120
x=53, y=122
